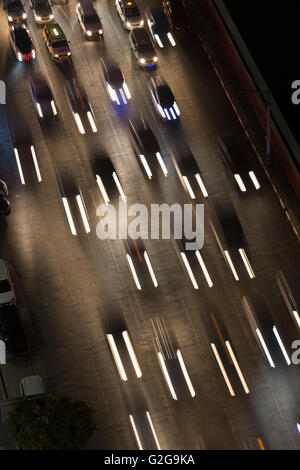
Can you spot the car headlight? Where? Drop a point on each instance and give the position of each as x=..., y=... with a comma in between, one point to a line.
x=56, y=55
x=142, y=61
x=51, y=17
x=100, y=31
x=155, y=59
x=142, y=23
x=89, y=33
x=20, y=56
x=128, y=24
x=69, y=53
x=24, y=16
x=9, y=18
x=39, y=18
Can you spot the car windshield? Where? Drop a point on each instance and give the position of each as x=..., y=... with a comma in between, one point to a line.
x=4, y=286
x=91, y=19
x=144, y=48
x=132, y=11
x=16, y=5
x=60, y=43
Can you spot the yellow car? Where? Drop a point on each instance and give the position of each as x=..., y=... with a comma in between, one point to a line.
x=56, y=42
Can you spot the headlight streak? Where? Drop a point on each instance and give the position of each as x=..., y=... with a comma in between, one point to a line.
x=83, y=213
x=176, y=108
x=237, y=367
x=19, y=165
x=91, y=121
x=69, y=215
x=153, y=430
x=133, y=271
x=185, y=373
x=33, y=53
x=146, y=166
x=296, y=315
x=161, y=111
x=53, y=107
x=188, y=187
x=116, y=356
x=118, y=184
x=166, y=375
x=189, y=270
x=113, y=94
x=132, y=354
x=126, y=90
x=167, y=114
x=204, y=269
x=262, y=341
x=162, y=164
x=19, y=57
x=240, y=183
x=157, y=39
x=254, y=180
x=102, y=190
x=201, y=184
x=35, y=162
x=135, y=432
x=153, y=277
x=39, y=110
x=283, y=350
x=224, y=373
x=236, y=277
x=171, y=39
x=123, y=96
x=79, y=123
x=247, y=263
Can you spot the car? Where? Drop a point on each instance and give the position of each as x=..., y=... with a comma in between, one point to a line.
x=188, y=172
x=7, y=294
x=12, y=333
x=4, y=206
x=42, y=11
x=32, y=385
x=139, y=264
x=145, y=145
x=42, y=96
x=107, y=179
x=289, y=289
x=3, y=188
x=89, y=19
x=177, y=15
x=21, y=43
x=114, y=82
x=142, y=47
x=163, y=99
x=118, y=338
x=56, y=43
x=129, y=13
x=15, y=11
x=80, y=106
x=159, y=27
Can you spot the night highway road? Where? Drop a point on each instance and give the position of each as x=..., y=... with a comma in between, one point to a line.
x=79, y=289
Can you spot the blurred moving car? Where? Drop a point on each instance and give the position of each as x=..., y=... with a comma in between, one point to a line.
x=177, y=15
x=12, y=333
x=107, y=179
x=142, y=47
x=42, y=96
x=7, y=294
x=163, y=99
x=89, y=19
x=129, y=13
x=159, y=27
x=114, y=82
x=42, y=11
x=21, y=43
x=80, y=106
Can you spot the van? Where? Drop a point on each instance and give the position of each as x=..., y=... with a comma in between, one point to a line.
x=56, y=42
x=32, y=385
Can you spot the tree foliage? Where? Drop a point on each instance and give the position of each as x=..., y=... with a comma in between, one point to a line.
x=54, y=422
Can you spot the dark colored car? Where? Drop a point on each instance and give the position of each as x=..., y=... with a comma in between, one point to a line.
x=114, y=82
x=159, y=27
x=12, y=333
x=89, y=19
x=42, y=96
x=177, y=15
x=163, y=99
x=42, y=11
x=15, y=11
x=21, y=43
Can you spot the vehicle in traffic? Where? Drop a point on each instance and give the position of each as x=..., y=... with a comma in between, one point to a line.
x=189, y=173
x=89, y=19
x=163, y=99
x=159, y=27
x=7, y=293
x=4, y=206
x=107, y=179
x=42, y=11
x=146, y=146
x=3, y=188
x=56, y=42
x=21, y=43
x=42, y=96
x=139, y=264
x=289, y=289
x=114, y=82
x=118, y=338
x=80, y=107
x=32, y=385
x=12, y=333
x=129, y=13
x=15, y=11
x=177, y=15
x=142, y=47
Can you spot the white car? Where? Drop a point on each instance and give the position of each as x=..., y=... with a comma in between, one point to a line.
x=7, y=294
x=129, y=13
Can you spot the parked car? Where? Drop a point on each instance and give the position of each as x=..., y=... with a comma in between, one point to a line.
x=12, y=333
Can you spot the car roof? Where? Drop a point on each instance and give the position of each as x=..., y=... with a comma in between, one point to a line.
x=40, y=84
x=159, y=16
x=113, y=71
x=55, y=31
x=87, y=6
x=141, y=35
x=165, y=94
